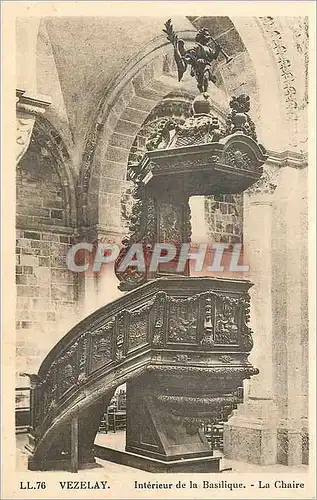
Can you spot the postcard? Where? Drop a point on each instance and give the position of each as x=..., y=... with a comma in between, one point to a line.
x=158, y=302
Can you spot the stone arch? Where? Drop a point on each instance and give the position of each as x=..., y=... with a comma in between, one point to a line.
x=49, y=144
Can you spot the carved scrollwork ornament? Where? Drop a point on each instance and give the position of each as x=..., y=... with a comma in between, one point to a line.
x=225, y=359
x=142, y=227
x=24, y=129
x=272, y=28
x=158, y=326
x=237, y=158
x=28, y=107
x=181, y=358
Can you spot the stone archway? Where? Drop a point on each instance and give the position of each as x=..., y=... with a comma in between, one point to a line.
x=52, y=145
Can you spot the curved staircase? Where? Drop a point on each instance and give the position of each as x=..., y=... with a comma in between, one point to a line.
x=192, y=366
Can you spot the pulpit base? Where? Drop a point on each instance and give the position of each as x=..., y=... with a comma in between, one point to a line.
x=199, y=464
x=62, y=465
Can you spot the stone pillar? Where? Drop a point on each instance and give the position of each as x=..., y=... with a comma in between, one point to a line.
x=304, y=324
x=97, y=287
x=198, y=223
x=28, y=107
x=290, y=321
x=250, y=434
x=106, y=281
x=271, y=425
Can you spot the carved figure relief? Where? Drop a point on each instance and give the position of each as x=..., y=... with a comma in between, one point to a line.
x=170, y=223
x=102, y=341
x=182, y=320
x=227, y=329
x=159, y=313
x=138, y=330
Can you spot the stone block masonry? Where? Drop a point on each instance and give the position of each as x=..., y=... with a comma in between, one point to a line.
x=46, y=292
x=224, y=215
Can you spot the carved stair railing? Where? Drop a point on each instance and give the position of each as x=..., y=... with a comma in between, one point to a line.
x=134, y=335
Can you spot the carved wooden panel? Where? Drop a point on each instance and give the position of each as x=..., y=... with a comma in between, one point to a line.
x=227, y=320
x=170, y=223
x=138, y=330
x=102, y=342
x=48, y=394
x=183, y=320
x=68, y=371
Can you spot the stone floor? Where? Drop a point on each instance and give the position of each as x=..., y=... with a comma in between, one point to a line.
x=117, y=441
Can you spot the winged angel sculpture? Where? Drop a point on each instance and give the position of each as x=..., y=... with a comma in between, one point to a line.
x=202, y=58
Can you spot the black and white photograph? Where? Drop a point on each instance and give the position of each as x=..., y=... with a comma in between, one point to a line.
x=161, y=223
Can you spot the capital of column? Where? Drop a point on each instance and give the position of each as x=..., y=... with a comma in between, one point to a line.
x=28, y=107
x=34, y=379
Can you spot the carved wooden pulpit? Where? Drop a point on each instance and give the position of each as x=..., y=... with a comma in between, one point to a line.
x=204, y=339
x=181, y=343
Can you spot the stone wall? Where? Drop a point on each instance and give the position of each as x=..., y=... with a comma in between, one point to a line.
x=46, y=291
x=224, y=216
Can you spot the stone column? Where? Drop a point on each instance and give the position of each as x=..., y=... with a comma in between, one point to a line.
x=106, y=281
x=198, y=223
x=97, y=287
x=271, y=425
x=290, y=321
x=250, y=434
x=28, y=107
